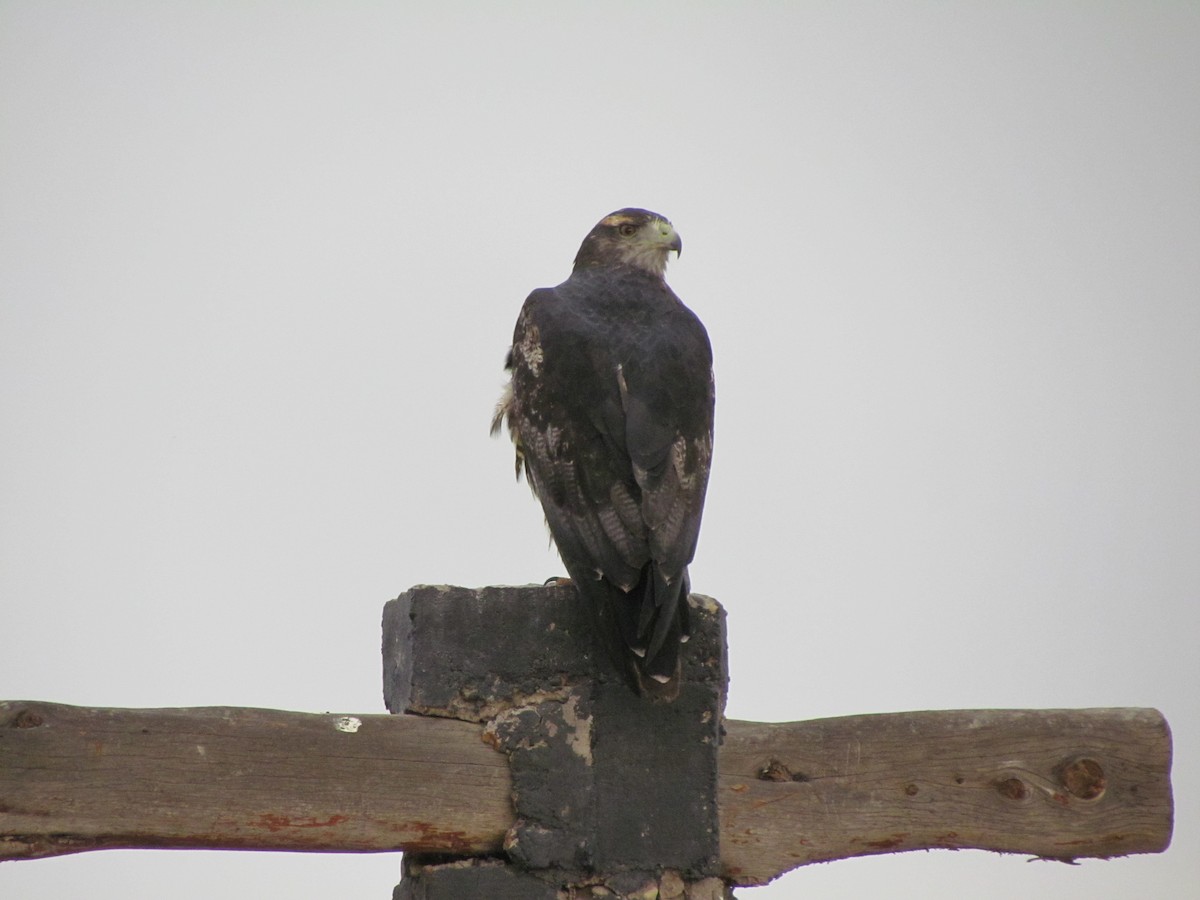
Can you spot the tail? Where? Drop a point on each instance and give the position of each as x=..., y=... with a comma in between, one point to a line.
x=645, y=629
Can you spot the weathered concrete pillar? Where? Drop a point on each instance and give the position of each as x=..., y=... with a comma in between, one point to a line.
x=611, y=792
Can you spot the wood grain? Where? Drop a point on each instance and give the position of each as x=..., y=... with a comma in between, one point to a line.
x=81, y=779
x=1050, y=783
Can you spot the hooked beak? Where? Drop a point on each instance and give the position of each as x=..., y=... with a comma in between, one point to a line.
x=671, y=238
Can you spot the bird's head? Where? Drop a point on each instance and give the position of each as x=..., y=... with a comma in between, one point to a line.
x=630, y=237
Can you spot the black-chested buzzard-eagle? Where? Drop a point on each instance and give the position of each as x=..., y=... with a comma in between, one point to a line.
x=610, y=406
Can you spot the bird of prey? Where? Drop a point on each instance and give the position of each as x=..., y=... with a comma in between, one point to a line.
x=610, y=406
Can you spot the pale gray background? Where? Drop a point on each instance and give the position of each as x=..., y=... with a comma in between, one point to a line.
x=259, y=264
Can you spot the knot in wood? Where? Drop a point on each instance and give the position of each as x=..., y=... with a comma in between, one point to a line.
x=1013, y=789
x=1084, y=778
x=27, y=718
x=775, y=770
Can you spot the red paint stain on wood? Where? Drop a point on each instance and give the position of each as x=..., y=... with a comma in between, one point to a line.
x=887, y=843
x=273, y=822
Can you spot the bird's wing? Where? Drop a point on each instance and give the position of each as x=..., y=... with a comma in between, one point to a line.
x=568, y=419
x=667, y=396
x=668, y=433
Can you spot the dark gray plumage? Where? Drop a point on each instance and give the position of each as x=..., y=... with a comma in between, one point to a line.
x=611, y=409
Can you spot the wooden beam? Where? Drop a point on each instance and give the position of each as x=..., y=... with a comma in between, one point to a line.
x=74, y=779
x=1050, y=783
x=1058, y=784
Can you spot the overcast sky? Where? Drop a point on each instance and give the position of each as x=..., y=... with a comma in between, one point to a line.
x=259, y=263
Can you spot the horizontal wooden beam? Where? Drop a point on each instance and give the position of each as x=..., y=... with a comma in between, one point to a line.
x=74, y=778
x=1051, y=783
x=1056, y=784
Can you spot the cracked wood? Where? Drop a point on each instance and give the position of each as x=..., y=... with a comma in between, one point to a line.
x=1050, y=783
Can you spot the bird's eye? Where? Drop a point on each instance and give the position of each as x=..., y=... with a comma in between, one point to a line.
x=627, y=230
